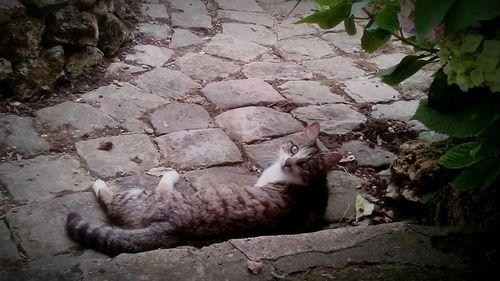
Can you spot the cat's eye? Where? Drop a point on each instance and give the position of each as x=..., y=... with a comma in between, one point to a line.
x=305, y=165
x=294, y=149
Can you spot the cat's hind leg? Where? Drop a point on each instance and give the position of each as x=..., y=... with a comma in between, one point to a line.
x=168, y=180
x=103, y=192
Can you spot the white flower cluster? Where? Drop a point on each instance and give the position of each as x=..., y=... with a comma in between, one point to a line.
x=471, y=60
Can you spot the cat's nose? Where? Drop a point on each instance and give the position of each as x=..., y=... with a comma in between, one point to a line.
x=288, y=163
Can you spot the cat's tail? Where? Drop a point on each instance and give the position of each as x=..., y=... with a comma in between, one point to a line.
x=113, y=240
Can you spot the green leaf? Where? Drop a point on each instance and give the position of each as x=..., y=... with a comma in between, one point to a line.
x=465, y=123
x=459, y=156
x=429, y=14
x=330, y=17
x=387, y=17
x=356, y=6
x=374, y=37
x=481, y=174
x=492, y=177
x=466, y=12
x=420, y=45
x=350, y=26
x=426, y=198
x=408, y=66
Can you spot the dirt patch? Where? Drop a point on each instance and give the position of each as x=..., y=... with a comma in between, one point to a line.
x=388, y=134
x=60, y=138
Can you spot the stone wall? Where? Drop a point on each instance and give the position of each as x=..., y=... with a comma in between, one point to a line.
x=44, y=40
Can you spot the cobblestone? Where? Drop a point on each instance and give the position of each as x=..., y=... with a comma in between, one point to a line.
x=213, y=90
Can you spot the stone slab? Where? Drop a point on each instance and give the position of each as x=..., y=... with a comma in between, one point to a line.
x=239, y=5
x=265, y=153
x=366, y=155
x=180, y=116
x=39, y=226
x=83, y=118
x=350, y=44
x=364, y=89
x=252, y=123
x=183, y=38
x=288, y=28
x=137, y=126
x=400, y=110
x=303, y=48
x=165, y=83
x=219, y=177
x=43, y=177
x=338, y=68
x=123, y=71
x=199, y=148
x=7, y=247
x=190, y=6
x=124, y=101
x=156, y=31
x=343, y=189
x=238, y=93
x=385, y=61
x=417, y=85
x=284, y=8
x=155, y=11
x=276, y=71
x=129, y=154
x=150, y=55
x=250, y=32
x=205, y=67
x=398, y=250
x=309, y=92
x=189, y=20
x=336, y=119
x=22, y=133
x=232, y=48
x=247, y=17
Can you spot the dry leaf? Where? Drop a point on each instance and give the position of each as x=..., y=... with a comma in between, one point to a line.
x=158, y=171
x=19, y=157
x=105, y=146
x=348, y=157
x=363, y=207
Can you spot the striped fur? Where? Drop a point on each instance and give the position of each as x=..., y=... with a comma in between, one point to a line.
x=294, y=202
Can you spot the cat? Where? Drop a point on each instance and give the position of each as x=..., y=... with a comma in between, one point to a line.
x=289, y=197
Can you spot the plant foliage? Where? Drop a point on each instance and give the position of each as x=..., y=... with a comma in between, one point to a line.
x=463, y=100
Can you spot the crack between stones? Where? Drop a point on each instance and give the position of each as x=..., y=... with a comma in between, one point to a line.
x=318, y=251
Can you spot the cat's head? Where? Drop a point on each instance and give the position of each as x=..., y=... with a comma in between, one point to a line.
x=304, y=162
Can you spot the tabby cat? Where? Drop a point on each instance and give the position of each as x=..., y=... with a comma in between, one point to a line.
x=289, y=197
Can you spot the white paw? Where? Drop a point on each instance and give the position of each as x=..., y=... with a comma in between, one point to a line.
x=170, y=177
x=98, y=186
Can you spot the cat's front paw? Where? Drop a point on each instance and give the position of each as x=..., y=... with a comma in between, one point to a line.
x=98, y=186
x=170, y=177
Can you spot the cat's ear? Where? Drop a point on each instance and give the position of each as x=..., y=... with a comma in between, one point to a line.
x=331, y=159
x=312, y=132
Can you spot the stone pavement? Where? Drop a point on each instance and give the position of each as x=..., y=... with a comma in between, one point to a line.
x=212, y=89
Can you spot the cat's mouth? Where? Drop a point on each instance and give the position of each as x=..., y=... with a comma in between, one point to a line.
x=286, y=166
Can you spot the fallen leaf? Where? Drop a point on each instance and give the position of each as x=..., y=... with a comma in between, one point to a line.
x=105, y=146
x=254, y=267
x=19, y=157
x=158, y=171
x=136, y=159
x=363, y=207
x=347, y=157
